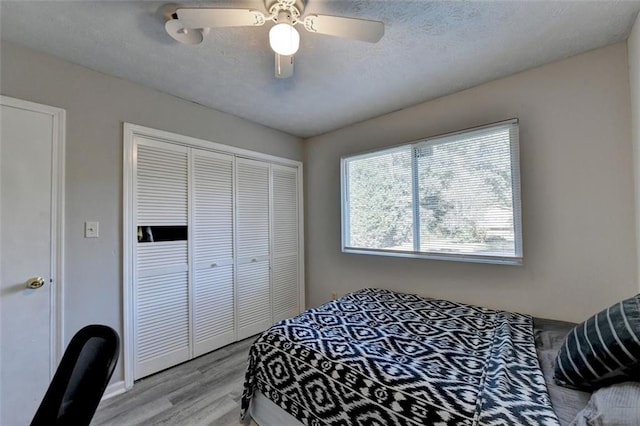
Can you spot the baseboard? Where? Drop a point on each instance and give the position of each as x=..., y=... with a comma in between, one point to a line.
x=114, y=389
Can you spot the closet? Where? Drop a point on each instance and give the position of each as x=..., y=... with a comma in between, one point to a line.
x=216, y=256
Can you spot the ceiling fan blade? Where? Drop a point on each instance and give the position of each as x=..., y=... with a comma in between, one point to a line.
x=284, y=66
x=216, y=18
x=339, y=26
x=179, y=32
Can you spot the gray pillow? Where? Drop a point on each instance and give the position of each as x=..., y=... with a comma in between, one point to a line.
x=615, y=405
x=603, y=350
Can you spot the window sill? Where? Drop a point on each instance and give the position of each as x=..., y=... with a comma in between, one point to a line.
x=495, y=260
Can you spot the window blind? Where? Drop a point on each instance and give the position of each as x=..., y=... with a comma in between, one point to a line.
x=455, y=197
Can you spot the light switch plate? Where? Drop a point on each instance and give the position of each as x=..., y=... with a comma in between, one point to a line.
x=91, y=229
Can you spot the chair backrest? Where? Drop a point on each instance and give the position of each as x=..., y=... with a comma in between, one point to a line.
x=81, y=378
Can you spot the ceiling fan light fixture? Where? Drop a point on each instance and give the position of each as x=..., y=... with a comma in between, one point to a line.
x=284, y=39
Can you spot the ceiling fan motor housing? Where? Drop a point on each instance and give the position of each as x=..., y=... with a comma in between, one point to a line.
x=293, y=7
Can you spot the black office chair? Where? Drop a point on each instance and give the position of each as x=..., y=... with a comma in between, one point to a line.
x=81, y=378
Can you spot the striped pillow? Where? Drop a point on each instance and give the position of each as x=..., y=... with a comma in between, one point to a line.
x=604, y=349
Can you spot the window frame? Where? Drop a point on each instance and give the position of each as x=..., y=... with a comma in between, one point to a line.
x=516, y=196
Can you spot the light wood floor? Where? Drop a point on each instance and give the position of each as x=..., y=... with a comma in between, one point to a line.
x=204, y=391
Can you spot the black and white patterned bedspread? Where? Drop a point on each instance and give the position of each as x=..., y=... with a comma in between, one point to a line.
x=376, y=357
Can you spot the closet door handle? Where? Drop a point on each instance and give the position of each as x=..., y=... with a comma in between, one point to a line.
x=213, y=265
x=254, y=260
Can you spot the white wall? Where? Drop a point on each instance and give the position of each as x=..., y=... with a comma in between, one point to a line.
x=577, y=193
x=96, y=106
x=633, y=46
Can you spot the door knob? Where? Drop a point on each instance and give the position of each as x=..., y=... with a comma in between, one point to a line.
x=35, y=282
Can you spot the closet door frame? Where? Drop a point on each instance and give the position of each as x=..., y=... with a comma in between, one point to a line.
x=130, y=131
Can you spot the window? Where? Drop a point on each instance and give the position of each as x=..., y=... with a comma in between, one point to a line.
x=452, y=197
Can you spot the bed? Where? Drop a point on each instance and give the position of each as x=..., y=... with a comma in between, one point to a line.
x=380, y=357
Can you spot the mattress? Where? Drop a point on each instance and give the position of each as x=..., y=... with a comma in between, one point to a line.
x=376, y=356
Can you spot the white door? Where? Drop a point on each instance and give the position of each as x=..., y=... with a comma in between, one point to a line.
x=253, y=293
x=29, y=142
x=212, y=250
x=161, y=289
x=285, y=246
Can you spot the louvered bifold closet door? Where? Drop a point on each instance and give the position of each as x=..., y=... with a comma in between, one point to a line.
x=253, y=295
x=285, y=242
x=213, y=293
x=161, y=320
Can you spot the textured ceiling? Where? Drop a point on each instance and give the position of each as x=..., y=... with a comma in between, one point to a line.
x=429, y=49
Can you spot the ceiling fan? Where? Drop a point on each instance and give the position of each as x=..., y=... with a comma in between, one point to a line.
x=191, y=25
